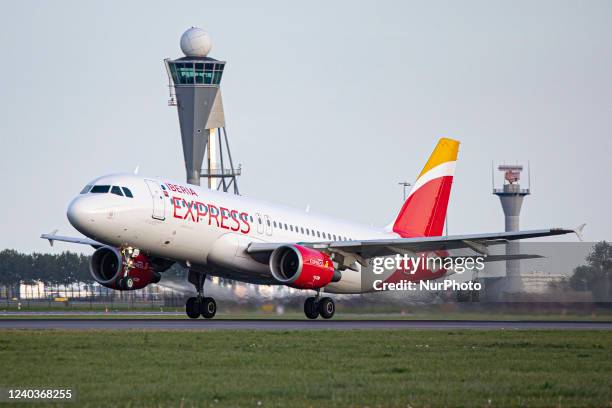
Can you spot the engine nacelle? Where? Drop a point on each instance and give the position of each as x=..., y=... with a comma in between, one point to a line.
x=302, y=268
x=107, y=267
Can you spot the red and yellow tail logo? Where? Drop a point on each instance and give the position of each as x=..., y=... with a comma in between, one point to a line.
x=424, y=211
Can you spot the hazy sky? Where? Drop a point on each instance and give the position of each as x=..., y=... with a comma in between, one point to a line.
x=327, y=103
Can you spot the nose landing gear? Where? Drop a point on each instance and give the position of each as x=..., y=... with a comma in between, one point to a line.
x=126, y=283
x=200, y=305
x=129, y=254
x=317, y=306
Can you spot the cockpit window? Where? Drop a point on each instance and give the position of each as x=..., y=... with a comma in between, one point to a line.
x=100, y=189
x=116, y=190
x=104, y=189
x=127, y=192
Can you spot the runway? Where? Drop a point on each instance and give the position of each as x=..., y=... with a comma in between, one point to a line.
x=277, y=324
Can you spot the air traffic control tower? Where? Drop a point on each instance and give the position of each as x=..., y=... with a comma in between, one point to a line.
x=194, y=83
x=511, y=196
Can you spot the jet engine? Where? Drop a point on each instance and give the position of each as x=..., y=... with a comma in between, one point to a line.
x=302, y=268
x=108, y=266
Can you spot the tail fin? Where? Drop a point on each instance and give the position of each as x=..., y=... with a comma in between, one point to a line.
x=424, y=211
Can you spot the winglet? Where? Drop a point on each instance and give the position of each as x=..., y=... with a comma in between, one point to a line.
x=50, y=236
x=578, y=231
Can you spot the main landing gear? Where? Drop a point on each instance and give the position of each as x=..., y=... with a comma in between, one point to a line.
x=200, y=305
x=319, y=306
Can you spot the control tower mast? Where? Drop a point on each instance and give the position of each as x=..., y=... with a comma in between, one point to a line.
x=194, y=83
x=511, y=196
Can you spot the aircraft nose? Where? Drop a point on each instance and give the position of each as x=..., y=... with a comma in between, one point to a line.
x=80, y=213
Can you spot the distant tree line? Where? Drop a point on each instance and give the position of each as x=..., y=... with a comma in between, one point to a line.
x=596, y=275
x=64, y=268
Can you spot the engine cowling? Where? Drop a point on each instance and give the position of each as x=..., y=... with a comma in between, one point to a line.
x=107, y=267
x=302, y=268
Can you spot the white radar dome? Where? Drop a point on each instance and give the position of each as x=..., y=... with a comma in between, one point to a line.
x=195, y=42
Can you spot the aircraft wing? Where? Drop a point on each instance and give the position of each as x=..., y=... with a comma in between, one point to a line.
x=52, y=237
x=360, y=251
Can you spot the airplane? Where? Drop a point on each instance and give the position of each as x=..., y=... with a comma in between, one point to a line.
x=141, y=226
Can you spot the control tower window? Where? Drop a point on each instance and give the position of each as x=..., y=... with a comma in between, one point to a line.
x=185, y=73
x=116, y=190
x=100, y=189
x=199, y=73
x=217, y=74
x=208, y=76
x=196, y=73
x=173, y=72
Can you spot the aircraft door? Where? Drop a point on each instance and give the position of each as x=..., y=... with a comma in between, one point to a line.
x=268, y=225
x=260, y=226
x=159, y=204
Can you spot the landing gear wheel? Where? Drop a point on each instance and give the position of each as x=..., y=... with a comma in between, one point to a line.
x=326, y=307
x=310, y=308
x=128, y=283
x=208, y=307
x=192, y=308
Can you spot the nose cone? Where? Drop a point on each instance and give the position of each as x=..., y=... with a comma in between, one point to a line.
x=81, y=214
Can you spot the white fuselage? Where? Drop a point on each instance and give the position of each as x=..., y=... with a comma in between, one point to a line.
x=205, y=229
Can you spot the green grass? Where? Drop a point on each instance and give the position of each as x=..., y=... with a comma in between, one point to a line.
x=314, y=368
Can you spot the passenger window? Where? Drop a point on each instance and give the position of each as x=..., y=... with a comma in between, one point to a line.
x=302, y=229
x=335, y=238
x=100, y=189
x=319, y=234
x=274, y=224
x=86, y=189
x=291, y=227
x=285, y=227
x=127, y=192
x=116, y=190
